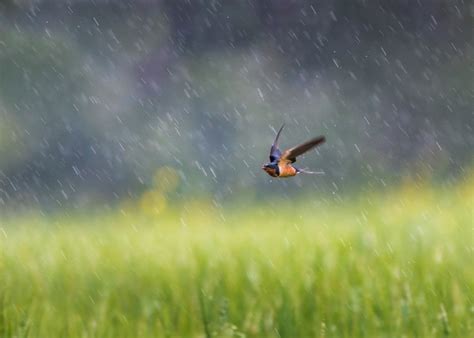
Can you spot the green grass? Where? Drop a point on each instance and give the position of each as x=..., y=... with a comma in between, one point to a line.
x=394, y=264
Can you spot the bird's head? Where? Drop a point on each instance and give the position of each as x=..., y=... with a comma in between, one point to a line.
x=271, y=169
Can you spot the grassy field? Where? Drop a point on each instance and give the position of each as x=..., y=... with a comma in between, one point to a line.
x=393, y=264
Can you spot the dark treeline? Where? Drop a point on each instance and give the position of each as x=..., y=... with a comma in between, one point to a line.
x=95, y=96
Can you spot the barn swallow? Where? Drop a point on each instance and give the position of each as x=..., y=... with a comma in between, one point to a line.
x=281, y=163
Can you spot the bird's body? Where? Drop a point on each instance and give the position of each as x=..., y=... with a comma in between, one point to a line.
x=287, y=170
x=281, y=163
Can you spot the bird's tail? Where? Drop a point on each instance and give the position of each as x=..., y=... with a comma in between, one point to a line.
x=306, y=171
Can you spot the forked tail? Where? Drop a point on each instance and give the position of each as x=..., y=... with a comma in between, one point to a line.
x=306, y=171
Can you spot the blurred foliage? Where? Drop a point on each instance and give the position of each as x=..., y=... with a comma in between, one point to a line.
x=96, y=95
x=39, y=80
x=391, y=262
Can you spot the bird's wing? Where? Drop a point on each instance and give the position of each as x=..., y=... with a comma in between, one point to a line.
x=291, y=154
x=275, y=152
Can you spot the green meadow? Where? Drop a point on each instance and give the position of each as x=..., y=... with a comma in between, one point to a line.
x=397, y=263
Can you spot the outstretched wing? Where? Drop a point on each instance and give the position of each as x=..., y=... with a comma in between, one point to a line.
x=291, y=154
x=275, y=152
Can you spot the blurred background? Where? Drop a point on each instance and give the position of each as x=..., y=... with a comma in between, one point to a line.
x=105, y=102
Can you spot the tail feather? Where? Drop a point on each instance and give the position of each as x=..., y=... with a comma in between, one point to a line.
x=306, y=171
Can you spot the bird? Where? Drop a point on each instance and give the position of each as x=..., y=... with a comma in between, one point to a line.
x=281, y=163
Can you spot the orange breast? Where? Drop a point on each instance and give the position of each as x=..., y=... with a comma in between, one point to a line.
x=287, y=170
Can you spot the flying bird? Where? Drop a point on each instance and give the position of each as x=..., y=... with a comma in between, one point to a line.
x=281, y=163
